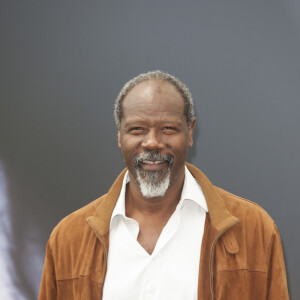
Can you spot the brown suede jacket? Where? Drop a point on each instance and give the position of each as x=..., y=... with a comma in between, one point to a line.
x=241, y=255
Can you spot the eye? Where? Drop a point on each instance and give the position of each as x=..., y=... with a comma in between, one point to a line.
x=136, y=130
x=169, y=130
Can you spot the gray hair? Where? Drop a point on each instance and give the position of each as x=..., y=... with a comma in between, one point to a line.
x=181, y=87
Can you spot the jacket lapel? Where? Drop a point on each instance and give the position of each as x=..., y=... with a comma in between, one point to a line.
x=101, y=218
x=218, y=221
x=219, y=215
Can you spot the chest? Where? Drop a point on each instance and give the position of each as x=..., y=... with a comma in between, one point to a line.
x=173, y=262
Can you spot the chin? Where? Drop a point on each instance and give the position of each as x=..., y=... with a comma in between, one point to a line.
x=151, y=184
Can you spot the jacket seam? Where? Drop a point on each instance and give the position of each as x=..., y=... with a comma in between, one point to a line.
x=241, y=198
x=65, y=279
x=78, y=277
x=243, y=269
x=270, y=248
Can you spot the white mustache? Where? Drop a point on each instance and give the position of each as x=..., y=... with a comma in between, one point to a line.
x=152, y=158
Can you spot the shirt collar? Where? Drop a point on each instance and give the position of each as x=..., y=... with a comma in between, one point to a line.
x=120, y=205
x=191, y=191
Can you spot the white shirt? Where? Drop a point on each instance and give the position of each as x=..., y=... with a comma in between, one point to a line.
x=171, y=271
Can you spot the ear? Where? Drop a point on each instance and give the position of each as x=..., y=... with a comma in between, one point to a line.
x=119, y=138
x=190, y=133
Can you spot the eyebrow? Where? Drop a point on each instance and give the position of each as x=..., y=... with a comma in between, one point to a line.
x=143, y=122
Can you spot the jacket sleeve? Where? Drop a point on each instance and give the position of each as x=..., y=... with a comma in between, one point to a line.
x=277, y=282
x=48, y=289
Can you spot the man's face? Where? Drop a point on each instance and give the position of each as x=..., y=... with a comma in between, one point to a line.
x=154, y=136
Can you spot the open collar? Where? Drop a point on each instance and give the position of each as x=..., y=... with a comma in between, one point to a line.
x=219, y=215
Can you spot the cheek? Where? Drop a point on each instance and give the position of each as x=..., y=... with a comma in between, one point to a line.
x=128, y=160
x=180, y=145
x=180, y=152
x=126, y=153
x=129, y=142
x=128, y=150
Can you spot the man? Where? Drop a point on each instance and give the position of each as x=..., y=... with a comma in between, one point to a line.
x=163, y=231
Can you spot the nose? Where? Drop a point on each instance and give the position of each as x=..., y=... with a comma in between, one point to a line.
x=152, y=141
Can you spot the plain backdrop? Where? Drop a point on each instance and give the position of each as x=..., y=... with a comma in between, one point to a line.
x=62, y=64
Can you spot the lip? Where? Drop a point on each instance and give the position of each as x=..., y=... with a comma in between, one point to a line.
x=153, y=165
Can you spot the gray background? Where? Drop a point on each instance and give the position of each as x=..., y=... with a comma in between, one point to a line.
x=62, y=64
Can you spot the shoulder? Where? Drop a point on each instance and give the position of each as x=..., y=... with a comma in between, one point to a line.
x=255, y=232
x=70, y=243
x=250, y=214
x=74, y=225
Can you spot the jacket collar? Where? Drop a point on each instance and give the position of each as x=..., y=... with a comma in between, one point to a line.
x=219, y=215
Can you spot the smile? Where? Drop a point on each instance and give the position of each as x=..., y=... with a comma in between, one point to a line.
x=149, y=165
x=153, y=162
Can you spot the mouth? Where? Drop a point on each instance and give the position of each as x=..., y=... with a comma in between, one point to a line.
x=149, y=165
x=153, y=161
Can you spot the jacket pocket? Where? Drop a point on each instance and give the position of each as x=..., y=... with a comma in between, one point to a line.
x=240, y=284
x=81, y=288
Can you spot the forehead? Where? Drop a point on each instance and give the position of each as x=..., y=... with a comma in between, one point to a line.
x=153, y=98
x=153, y=86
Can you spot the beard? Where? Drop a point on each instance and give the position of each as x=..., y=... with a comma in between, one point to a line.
x=153, y=184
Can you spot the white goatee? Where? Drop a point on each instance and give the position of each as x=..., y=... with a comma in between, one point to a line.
x=151, y=185
x=150, y=189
